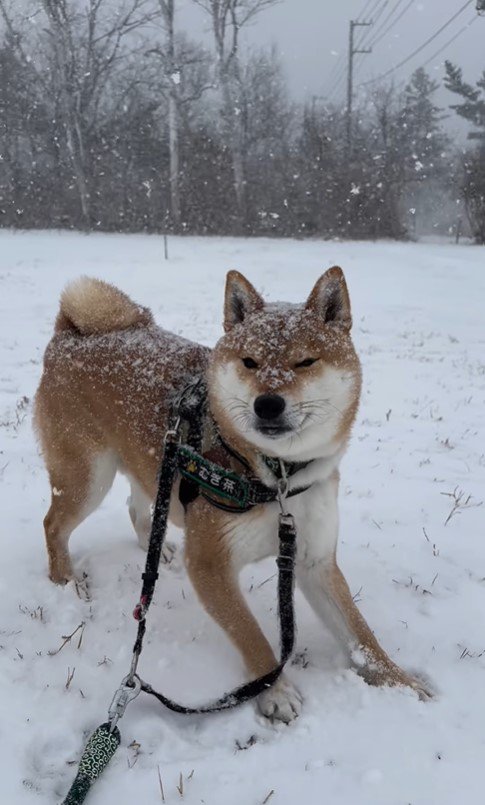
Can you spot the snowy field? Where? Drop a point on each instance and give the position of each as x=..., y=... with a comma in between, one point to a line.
x=415, y=563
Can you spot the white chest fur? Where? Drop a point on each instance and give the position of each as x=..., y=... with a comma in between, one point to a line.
x=254, y=536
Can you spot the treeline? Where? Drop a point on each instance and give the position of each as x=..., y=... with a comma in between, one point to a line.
x=112, y=119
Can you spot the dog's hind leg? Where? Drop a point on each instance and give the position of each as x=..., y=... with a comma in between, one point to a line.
x=140, y=509
x=79, y=482
x=140, y=514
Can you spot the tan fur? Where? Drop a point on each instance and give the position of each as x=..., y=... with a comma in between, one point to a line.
x=103, y=404
x=99, y=394
x=94, y=306
x=209, y=567
x=377, y=668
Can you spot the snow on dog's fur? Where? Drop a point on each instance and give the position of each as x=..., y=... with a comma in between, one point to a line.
x=283, y=381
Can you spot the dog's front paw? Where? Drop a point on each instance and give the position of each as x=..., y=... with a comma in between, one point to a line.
x=80, y=586
x=168, y=552
x=394, y=677
x=418, y=685
x=61, y=573
x=281, y=702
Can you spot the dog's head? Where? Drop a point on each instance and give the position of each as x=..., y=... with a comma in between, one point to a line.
x=286, y=378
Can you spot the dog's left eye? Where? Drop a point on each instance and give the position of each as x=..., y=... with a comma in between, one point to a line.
x=306, y=362
x=249, y=363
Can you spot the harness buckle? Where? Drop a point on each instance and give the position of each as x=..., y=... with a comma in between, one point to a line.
x=288, y=521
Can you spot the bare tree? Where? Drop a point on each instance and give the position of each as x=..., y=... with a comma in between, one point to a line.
x=84, y=47
x=167, y=7
x=107, y=122
x=178, y=58
x=228, y=17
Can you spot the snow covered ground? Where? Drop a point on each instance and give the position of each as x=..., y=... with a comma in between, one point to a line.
x=418, y=574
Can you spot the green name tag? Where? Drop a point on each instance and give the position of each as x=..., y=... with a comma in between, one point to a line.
x=212, y=477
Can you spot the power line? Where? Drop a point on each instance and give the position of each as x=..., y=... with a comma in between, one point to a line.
x=443, y=47
x=337, y=73
x=338, y=83
x=338, y=70
x=353, y=50
x=377, y=8
x=370, y=11
x=420, y=48
x=335, y=69
x=373, y=21
x=392, y=24
x=388, y=18
x=361, y=15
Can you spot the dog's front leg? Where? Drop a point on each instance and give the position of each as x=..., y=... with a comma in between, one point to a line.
x=328, y=593
x=215, y=579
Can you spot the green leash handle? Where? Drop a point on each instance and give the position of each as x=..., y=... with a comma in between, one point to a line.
x=98, y=752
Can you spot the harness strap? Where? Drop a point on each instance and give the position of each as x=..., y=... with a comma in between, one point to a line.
x=242, y=510
x=274, y=464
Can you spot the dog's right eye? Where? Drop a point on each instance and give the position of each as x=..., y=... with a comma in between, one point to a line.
x=305, y=363
x=249, y=363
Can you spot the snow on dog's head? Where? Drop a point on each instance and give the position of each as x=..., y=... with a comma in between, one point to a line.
x=285, y=377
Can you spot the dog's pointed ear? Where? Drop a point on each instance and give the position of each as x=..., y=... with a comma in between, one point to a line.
x=240, y=299
x=330, y=299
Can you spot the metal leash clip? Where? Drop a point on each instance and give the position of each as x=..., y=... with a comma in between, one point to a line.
x=283, y=489
x=189, y=398
x=129, y=689
x=172, y=433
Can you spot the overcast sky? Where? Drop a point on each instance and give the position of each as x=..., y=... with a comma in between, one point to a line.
x=311, y=36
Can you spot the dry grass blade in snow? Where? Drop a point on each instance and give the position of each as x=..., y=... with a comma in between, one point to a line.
x=461, y=501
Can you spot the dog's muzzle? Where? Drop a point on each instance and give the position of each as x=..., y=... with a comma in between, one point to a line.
x=269, y=410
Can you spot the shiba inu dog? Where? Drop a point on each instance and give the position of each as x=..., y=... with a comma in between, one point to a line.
x=283, y=381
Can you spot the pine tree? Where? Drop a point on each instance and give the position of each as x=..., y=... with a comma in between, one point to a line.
x=421, y=121
x=472, y=109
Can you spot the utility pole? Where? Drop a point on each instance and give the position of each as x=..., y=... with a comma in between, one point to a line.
x=350, y=78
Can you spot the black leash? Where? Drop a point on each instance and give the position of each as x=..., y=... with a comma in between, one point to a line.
x=190, y=408
x=250, y=690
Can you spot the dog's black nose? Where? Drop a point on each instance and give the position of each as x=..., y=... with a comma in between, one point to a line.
x=269, y=406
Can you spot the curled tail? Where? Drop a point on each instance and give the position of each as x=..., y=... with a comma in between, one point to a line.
x=90, y=306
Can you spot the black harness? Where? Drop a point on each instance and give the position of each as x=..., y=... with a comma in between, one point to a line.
x=200, y=476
